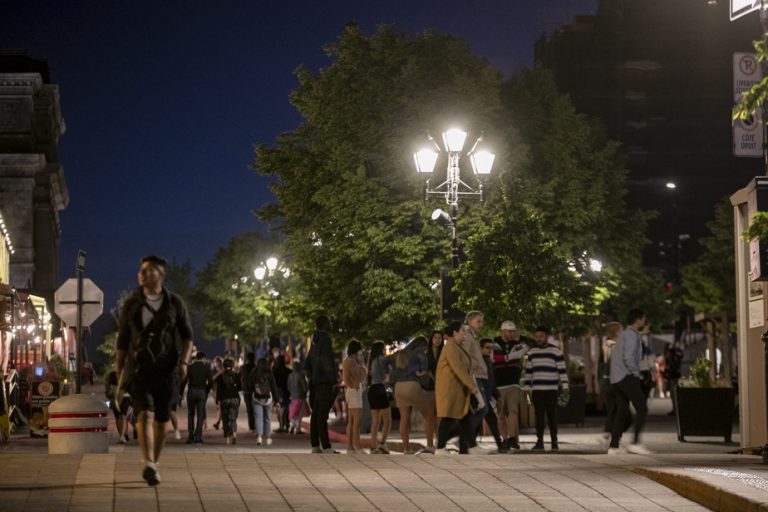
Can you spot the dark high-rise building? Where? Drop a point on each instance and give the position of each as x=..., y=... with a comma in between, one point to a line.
x=658, y=74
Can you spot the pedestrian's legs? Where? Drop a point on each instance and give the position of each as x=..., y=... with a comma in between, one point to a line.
x=249, y=411
x=551, y=408
x=405, y=427
x=200, y=406
x=375, y=421
x=633, y=390
x=146, y=430
x=539, y=406
x=258, y=412
x=268, y=420
x=448, y=428
x=620, y=417
x=323, y=398
x=386, y=415
x=493, y=424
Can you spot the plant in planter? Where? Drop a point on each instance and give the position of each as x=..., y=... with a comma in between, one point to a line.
x=703, y=407
x=573, y=411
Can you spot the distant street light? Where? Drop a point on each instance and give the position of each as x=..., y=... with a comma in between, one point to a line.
x=453, y=187
x=671, y=185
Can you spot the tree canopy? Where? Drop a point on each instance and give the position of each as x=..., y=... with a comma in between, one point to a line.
x=350, y=205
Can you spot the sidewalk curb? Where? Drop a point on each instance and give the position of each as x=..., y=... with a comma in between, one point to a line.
x=712, y=496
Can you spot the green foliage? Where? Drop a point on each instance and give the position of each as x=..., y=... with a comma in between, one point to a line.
x=700, y=373
x=234, y=302
x=347, y=196
x=756, y=96
x=60, y=367
x=575, y=371
x=708, y=283
x=358, y=231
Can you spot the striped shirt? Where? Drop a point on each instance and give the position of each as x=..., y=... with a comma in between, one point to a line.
x=546, y=368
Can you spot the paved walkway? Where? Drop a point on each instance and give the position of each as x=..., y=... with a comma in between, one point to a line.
x=284, y=476
x=233, y=482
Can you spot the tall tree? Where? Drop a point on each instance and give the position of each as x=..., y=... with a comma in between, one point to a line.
x=347, y=197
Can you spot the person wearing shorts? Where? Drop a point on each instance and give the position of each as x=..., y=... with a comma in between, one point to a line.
x=507, y=370
x=381, y=413
x=355, y=374
x=154, y=341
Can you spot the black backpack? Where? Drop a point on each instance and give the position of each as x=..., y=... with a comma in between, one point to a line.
x=262, y=391
x=228, y=384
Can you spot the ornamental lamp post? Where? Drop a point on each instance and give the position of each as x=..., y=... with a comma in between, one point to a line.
x=451, y=189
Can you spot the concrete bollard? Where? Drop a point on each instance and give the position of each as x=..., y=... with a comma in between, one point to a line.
x=77, y=424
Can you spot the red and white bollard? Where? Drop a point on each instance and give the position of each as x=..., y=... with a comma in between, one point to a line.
x=77, y=424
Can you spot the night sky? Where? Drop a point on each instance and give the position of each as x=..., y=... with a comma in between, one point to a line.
x=163, y=101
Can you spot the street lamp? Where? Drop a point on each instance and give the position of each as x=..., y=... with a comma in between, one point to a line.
x=453, y=186
x=264, y=273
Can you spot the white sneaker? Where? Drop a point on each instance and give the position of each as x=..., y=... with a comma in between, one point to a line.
x=258, y=440
x=638, y=449
x=616, y=451
x=176, y=434
x=446, y=451
x=269, y=441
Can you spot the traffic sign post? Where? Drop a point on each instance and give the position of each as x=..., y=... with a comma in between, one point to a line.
x=79, y=301
x=748, y=134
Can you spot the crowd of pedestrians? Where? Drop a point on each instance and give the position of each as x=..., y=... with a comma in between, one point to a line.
x=454, y=380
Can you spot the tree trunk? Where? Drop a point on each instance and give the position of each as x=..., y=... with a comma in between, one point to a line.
x=710, y=327
x=725, y=346
x=589, y=367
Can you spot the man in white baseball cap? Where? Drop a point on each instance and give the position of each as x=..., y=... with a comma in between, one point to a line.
x=508, y=368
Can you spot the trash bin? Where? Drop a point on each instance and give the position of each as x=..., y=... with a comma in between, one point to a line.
x=78, y=424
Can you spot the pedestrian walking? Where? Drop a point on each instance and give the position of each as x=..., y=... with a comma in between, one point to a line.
x=281, y=372
x=175, y=401
x=612, y=333
x=297, y=389
x=217, y=367
x=119, y=410
x=245, y=372
x=411, y=364
x=228, y=397
x=264, y=392
x=322, y=374
x=199, y=384
x=379, y=369
x=510, y=348
x=545, y=375
x=492, y=395
x=454, y=384
x=473, y=325
x=626, y=383
x=154, y=341
x=355, y=374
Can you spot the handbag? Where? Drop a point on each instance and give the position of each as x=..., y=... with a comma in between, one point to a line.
x=427, y=382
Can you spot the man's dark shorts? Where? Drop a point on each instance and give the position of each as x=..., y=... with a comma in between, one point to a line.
x=153, y=394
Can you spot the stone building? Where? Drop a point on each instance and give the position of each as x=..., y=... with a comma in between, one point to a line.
x=32, y=186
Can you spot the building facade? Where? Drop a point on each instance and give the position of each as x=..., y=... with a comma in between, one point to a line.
x=33, y=189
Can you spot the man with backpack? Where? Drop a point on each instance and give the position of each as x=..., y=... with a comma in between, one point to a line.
x=154, y=341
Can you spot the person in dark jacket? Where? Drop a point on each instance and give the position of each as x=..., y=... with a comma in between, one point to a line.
x=245, y=372
x=228, y=397
x=492, y=395
x=262, y=381
x=154, y=341
x=281, y=372
x=322, y=373
x=199, y=384
x=297, y=390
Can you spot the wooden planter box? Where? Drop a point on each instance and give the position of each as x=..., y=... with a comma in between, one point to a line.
x=704, y=412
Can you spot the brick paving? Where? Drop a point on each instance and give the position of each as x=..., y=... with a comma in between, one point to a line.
x=233, y=482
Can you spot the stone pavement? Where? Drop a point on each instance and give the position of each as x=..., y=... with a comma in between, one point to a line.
x=284, y=476
x=235, y=482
